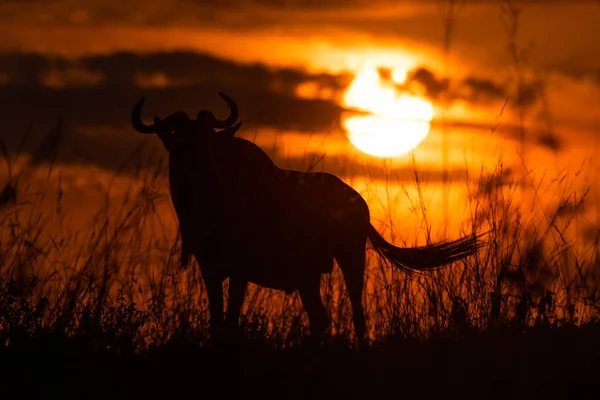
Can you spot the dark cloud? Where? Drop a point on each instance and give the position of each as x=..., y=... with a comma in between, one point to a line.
x=476, y=90
x=528, y=94
x=479, y=89
x=284, y=3
x=181, y=68
x=189, y=81
x=96, y=113
x=23, y=69
x=106, y=106
x=265, y=96
x=550, y=141
x=303, y=4
x=577, y=71
x=432, y=85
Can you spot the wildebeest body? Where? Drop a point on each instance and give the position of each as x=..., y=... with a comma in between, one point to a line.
x=245, y=219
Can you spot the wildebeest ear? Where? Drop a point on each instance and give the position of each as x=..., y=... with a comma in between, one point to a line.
x=229, y=132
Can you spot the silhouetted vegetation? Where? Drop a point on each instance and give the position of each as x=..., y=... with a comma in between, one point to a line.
x=106, y=311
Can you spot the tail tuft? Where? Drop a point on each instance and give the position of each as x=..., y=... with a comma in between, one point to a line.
x=425, y=258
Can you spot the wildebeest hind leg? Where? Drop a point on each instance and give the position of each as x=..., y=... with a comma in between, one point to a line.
x=351, y=261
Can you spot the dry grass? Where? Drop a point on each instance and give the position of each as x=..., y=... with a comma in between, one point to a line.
x=118, y=275
x=112, y=291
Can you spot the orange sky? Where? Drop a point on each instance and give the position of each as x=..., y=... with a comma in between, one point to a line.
x=309, y=35
x=89, y=62
x=306, y=33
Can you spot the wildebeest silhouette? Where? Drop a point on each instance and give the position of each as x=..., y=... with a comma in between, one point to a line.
x=246, y=219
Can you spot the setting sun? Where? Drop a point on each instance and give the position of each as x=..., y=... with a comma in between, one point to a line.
x=396, y=122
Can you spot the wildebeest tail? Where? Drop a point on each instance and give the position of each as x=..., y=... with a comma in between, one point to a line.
x=423, y=257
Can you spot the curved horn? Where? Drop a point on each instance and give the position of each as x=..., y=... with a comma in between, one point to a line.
x=136, y=119
x=233, y=116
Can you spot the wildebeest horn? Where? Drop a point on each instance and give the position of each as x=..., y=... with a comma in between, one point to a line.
x=136, y=119
x=233, y=116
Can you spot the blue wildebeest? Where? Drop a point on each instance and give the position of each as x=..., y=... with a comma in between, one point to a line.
x=245, y=219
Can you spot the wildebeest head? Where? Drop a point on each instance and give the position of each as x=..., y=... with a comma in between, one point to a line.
x=195, y=148
x=179, y=133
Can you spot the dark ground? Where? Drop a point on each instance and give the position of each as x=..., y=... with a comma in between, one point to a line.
x=542, y=362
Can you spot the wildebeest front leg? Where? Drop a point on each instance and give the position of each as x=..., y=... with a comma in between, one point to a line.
x=310, y=294
x=237, y=293
x=214, y=289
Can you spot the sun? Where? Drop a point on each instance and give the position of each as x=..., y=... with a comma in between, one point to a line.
x=394, y=123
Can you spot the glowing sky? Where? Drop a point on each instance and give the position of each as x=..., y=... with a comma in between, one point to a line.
x=331, y=35
x=288, y=63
